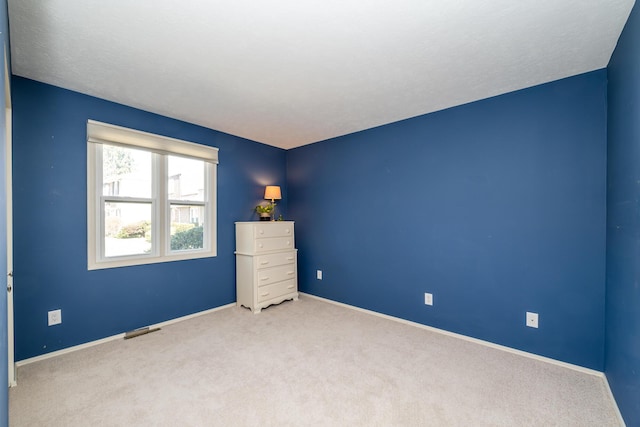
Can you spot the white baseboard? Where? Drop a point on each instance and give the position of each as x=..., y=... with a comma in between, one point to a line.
x=464, y=337
x=116, y=337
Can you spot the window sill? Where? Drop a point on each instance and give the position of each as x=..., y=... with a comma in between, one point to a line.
x=127, y=262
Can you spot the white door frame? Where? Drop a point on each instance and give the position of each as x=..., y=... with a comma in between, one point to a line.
x=8, y=176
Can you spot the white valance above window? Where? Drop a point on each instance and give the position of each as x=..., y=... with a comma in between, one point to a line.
x=103, y=133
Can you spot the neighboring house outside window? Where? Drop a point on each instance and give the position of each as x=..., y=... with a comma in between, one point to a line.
x=149, y=198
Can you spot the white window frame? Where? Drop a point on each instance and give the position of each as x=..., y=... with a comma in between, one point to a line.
x=161, y=147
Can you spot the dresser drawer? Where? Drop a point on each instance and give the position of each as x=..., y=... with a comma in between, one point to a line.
x=277, y=289
x=273, y=244
x=273, y=229
x=273, y=260
x=276, y=274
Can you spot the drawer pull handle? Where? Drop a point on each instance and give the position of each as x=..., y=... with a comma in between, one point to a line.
x=259, y=245
x=264, y=294
x=288, y=242
x=288, y=231
x=290, y=273
x=290, y=258
x=264, y=278
x=264, y=263
x=261, y=231
x=290, y=287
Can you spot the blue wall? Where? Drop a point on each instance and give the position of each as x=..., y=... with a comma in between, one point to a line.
x=622, y=349
x=496, y=207
x=50, y=224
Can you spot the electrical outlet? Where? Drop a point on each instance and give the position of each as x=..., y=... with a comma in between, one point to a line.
x=428, y=299
x=55, y=317
x=532, y=319
x=319, y=274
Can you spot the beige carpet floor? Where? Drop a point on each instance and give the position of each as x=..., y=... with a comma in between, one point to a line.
x=302, y=363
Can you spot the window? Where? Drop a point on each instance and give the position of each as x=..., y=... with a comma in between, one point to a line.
x=149, y=198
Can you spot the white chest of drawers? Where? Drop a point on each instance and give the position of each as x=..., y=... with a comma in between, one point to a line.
x=266, y=263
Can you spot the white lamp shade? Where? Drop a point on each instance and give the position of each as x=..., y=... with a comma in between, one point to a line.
x=272, y=192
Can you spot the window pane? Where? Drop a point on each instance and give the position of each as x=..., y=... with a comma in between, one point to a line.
x=187, y=227
x=127, y=229
x=186, y=179
x=126, y=172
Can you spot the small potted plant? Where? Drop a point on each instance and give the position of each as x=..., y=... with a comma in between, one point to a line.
x=265, y=211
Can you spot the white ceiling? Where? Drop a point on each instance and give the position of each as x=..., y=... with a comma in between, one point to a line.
x=293, y=72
